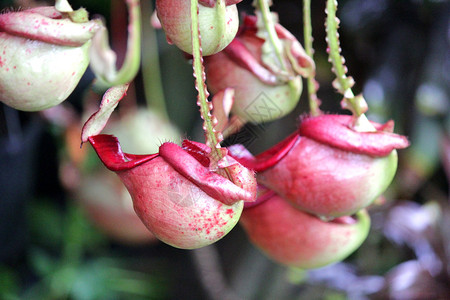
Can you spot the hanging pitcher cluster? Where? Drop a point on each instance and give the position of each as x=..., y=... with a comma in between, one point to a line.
x=322, y=177
x=302, y=202
x=313, y=187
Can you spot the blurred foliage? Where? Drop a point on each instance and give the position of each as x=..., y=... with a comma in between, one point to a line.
x=70, y=259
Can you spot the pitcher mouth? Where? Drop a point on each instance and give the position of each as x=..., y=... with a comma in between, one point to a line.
x=187, y=163
x=266, y=159
x=334, y=130
x=46, y=24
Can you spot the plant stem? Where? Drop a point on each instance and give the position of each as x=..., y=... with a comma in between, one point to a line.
x=199, y=73
x=343, y=83
x=212, y=277
x=314, y=102
x=263, y=6
x=133, y=55
x=277, y=46
x=220, y=16
x=334, y=48
x=151, y=73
